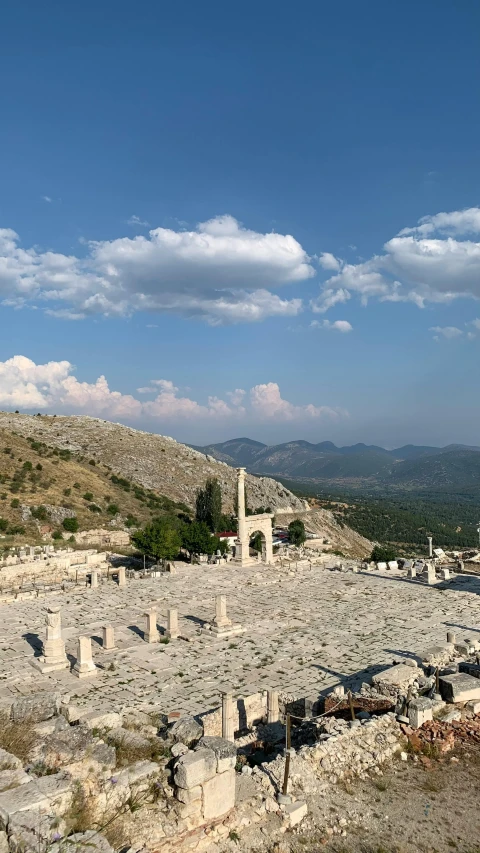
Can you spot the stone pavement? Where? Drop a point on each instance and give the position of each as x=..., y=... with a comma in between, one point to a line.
x=306, y=630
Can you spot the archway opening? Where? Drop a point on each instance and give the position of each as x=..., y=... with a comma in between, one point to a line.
x=258, y=545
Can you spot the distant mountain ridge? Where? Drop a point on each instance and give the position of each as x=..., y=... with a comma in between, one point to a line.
x=455, y=466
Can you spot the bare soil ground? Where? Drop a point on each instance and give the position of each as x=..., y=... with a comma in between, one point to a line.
x=421, y=806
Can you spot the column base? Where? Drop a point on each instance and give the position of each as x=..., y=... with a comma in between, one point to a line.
x=46, y=666
x=223, y=633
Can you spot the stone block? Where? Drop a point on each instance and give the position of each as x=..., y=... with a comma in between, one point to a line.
x=470, y=668
x=36, y=708
x=59, y=790
x=419, y=711
x=459, y=687
x=295, y=812
x=225, y=752
x=4, y=848
x=195, y=767
x=219, y=795
x=101, y=720
x=24, y=798
x=474, y=707
x=13, y=778
x=189, y=795
x=399, y=677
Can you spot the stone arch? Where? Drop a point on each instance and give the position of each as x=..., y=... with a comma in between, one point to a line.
x=250, y=525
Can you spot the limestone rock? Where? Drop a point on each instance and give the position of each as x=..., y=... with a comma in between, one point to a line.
x=395, y=679
x=13, y=778
x=85, y=842
x=225, y=752
x=4, y=842
x=195, y=767
x=186, y=730
x=218, y=795
x=8, y=761
x=460, y=687
x=37, y=708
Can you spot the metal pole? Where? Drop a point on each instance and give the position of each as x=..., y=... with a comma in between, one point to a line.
x=287, y=754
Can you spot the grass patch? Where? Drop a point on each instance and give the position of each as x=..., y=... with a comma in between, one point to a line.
x=17, y=738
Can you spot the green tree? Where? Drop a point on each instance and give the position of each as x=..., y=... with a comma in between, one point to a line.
x=382, y=554
x=296, y=532
x=70, y=524
x=208, y=505
x=159, y=539
x=197, y=539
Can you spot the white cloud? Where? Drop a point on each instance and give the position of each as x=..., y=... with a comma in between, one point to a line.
x=327, y=299
x=47, y=198
x=448, y=332
x=431, y=262
x=221, y=271
x=267, y=403
x=137, y=222
x=337, y=326
x=329, y=262
x=52, y=387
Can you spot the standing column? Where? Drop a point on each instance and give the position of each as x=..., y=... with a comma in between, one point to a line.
x=242, y=545
x=221, y=619
x=273, y=712
x=84, y=666
x=54, y=656
x=151, y=632
x=94, y=579
x=122, y=578
x=430, y=546
x=172, y=631
x=227, y=717
x=108, y=638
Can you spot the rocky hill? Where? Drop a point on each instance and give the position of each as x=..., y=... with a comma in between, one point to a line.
x=153, y=462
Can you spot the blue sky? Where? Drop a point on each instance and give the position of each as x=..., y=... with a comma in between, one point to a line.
x=264, y=217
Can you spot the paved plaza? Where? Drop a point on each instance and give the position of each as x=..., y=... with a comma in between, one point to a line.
x=306, y=630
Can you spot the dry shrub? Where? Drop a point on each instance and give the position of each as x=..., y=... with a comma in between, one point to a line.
x=129, y=752
x=18, y=738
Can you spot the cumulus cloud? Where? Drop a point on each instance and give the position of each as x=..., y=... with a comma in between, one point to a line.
x=448, y=332
x=221, y=271
x=435, y=261
x=267, y=403
x=337, y=326
x=52, y=387
x=329, y=262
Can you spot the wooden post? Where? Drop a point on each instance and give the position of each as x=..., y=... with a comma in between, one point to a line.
x=288, y=735
x=350, y=702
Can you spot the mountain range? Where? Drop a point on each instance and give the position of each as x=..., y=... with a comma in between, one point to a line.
x=455, y=467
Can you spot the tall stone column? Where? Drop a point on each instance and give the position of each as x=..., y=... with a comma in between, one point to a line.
x=430, y=546
x=54, y=656
x=241, y=546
